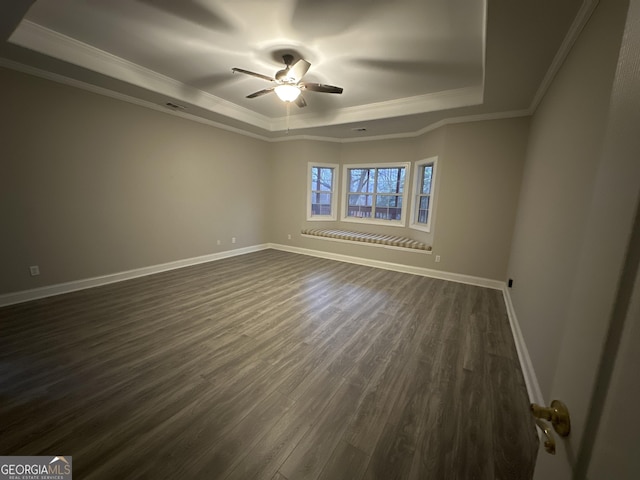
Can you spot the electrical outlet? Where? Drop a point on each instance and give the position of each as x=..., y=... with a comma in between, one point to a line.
x=437, y=258
x=34, y=270
x=289, y=237
x=218, y=242
x=233, y=239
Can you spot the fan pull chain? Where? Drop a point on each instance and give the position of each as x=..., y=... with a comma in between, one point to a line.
x=288, y=113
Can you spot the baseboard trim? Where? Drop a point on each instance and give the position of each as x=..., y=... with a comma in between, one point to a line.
x=60, y=288
x=397, y=267
x=530, y=378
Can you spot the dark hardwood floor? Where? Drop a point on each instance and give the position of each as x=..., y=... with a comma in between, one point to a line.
x=269, y=365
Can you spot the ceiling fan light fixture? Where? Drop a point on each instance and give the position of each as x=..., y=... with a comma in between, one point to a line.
x=287, y=93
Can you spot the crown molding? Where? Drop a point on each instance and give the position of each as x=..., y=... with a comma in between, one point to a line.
x=36, y=72
x=54, y=77
x=20, y=67
x=481, y=117
x=460, y=97
x=582, y=17
x=48, y=42
x=393, y=136
x=29, y=31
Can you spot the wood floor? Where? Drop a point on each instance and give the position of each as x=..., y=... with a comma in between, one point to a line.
x=269, y=365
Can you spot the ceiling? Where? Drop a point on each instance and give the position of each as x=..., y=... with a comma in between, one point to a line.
x=405, y=65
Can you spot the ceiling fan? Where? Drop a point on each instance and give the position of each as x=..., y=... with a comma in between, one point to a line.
x=288, y=85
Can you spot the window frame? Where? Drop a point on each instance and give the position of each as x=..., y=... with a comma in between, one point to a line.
x=334, y=192
x=373, y=221
x=416, y=195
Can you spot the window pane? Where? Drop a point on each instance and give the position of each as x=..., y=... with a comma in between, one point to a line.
x=360, y=200
x=376, y=191
x=423, y=210
x=322, y=179
x=359, y=206
x=326, y=179
x=359, y=211
x=388, y=213
x=320, y=203
x=320, y=198
x=361, y=179
x=390, y=180
x=388, y=200
x=427, y=172
x=325, y=198
x=389, y=207
x=321, y=188
x=320, y=209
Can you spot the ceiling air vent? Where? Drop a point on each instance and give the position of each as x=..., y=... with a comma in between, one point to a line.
x=174, y=106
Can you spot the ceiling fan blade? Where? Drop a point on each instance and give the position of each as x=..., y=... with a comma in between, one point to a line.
x=261, y=92
x=253, y=74
x=320, y=87
x=300, y=101
x=297, y=71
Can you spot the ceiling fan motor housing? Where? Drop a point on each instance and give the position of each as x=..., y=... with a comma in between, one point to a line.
x=281, y=75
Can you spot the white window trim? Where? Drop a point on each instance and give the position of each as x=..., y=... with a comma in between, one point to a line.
x=334, y=192
x=372, y=221
x=415, y=192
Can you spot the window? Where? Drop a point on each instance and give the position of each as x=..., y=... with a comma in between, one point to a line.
x=423, y=194
x=375, y=193
x=321, y=195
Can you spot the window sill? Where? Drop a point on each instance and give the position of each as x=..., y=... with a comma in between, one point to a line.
x=363, y=221
x=419, y=227
x=321, y=218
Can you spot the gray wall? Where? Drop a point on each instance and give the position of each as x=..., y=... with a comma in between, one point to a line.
x=615, y=416
x=481, y=174
x=563, y=156
x=573, y=237
x=92, y=186
x=477, y=183
x=288, y=168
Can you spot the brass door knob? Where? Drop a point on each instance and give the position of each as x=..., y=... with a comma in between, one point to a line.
x=549, y=441
x=557, y=414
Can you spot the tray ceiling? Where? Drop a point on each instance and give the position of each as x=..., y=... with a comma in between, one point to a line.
x=403, y=64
